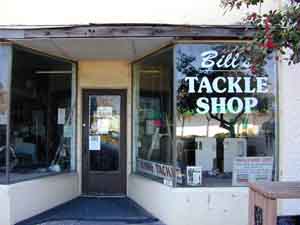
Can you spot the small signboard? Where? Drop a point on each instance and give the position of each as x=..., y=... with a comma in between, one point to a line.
x=61, y=114
x=168, y=182
x=103, y=126
x=3, y=118
x=194, y=175
x=251, y=169
x=156, y=169
x=104, y=111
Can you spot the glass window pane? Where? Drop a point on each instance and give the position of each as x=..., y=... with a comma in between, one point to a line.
x=104, y=132
x=5, y=67
x=42, y=114
x=153, y=115
x=226, y=122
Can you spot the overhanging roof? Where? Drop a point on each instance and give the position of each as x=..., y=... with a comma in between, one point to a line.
x=113, y=41
x=123, y=30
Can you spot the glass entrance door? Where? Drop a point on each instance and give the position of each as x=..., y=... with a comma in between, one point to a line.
x=104, y=147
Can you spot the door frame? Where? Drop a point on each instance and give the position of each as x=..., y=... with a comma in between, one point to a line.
x=84, y=112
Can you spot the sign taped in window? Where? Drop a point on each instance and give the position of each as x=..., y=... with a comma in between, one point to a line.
x=251, y=169
x=94, y=142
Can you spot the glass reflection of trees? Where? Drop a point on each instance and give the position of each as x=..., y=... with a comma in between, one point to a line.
x=233, y=125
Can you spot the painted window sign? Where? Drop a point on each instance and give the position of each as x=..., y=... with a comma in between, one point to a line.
x=156, y=169
x=223, y=112
x=217, y=79
x=230, y=110
x=226, y=60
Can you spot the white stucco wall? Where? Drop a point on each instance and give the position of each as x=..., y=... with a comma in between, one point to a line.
x=33, y=197
x=129, y=11
x=191, y=206
x=4, y=205
x=289, y=105
x=25, y=199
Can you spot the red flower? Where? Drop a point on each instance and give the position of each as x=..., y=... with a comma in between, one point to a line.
x=270, y=44
x=253, y=69
x=252, y=16
x=267, y=24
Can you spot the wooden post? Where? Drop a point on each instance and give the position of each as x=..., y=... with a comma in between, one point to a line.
x=263, y=200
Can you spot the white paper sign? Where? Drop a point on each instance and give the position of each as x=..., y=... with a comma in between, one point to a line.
x=104, y=111
x=251, y=169
x=3, y=118
x=194, y=175
x=61, y=114
x=68, y=131
x=103, y=126
x=94, y=142
x=168, y=182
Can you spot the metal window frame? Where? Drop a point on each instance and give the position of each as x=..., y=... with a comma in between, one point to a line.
x=7, y=155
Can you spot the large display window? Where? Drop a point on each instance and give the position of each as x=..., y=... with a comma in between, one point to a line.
x=40, y=116
x=224, y=116
x=153, y=114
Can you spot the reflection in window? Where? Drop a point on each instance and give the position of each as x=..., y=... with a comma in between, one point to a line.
x=153, y=114
x=41, y=117
x=225, y=130
x=225, y=117
x=5, y=58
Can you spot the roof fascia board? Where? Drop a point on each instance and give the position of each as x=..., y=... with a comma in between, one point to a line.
x=129, y=31
x=12, y=34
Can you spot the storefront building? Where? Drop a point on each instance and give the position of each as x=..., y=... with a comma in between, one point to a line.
x=171, y=116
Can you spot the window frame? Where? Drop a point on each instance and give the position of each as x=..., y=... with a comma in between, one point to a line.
x=174, y=122
x=74, y=95
x=169, y=46
x=7, y=141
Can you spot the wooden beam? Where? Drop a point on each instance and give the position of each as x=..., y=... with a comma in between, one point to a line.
x=11, y=34
x=129, y=31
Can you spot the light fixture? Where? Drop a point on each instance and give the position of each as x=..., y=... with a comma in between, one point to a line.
x=54, y=72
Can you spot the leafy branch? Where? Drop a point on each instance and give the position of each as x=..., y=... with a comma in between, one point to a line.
x=230, y=4
x=276, y=31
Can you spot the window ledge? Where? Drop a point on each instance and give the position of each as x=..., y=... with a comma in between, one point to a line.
x=48, y=176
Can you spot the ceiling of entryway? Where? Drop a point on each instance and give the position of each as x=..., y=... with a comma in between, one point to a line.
x=97, y=48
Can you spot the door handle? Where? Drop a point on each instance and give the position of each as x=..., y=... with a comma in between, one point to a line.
x=83, y=125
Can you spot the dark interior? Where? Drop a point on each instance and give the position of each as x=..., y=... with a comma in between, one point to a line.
x=40, y=86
